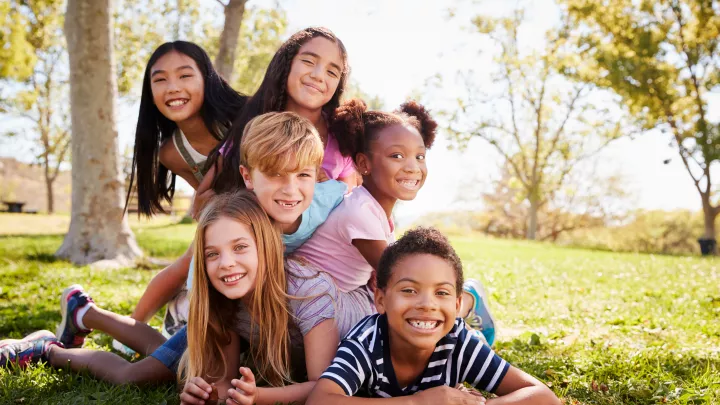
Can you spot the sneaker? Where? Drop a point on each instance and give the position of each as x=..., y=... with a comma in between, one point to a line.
x=480, y=317
x=33, y=348
x=176, y=314
x=68, y=332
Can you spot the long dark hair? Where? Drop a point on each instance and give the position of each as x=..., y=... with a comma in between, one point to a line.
x=221, y=104
x=272, y=97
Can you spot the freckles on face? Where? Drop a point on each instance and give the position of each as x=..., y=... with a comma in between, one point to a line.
x=177, y=86
x=314, y=74
x=420, y=300
x=397, y=162
x=231, y=258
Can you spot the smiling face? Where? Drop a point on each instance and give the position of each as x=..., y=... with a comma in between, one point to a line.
x=314, y=75
x=177, y=86
x=420, y=301
x=395, y=165
x=231, y=258
x=284, y=195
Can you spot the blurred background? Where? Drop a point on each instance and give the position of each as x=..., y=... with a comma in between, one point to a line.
x=578, y=122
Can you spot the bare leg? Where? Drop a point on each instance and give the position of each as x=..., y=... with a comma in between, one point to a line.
x=139, y=336
x=110, y=367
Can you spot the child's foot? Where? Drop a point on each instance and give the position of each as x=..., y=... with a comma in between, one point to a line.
x=74, y=303
x=480, y=317
x=32, y=348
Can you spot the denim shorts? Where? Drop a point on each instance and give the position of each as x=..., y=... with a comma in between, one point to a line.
x=172, y=350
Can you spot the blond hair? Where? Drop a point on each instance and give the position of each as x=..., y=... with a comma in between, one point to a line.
x=280, y=142
x=207, y=329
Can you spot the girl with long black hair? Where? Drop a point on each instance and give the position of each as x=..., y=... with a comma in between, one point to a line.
x=186, y=109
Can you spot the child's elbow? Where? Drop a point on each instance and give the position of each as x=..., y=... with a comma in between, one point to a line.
x=547, y=397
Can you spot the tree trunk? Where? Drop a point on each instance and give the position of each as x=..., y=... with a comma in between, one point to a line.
x=532, y=219
x=225, y=60
x=49, y=191
x=709, y=215
x=99, y=231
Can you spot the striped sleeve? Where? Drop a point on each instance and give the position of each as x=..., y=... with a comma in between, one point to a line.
x=312, y=297
x=351, y=367
x=479, y=366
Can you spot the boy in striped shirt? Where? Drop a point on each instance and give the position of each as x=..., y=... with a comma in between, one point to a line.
x=416, y=349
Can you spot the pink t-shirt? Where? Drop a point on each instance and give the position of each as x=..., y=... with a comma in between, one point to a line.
x=336, y=165
x=330, y=248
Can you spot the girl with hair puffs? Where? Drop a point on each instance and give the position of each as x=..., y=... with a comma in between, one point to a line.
x=389, y=150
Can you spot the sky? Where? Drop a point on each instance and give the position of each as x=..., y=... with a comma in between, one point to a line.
x=395, y=46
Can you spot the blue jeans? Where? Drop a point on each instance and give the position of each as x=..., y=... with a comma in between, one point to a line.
x=172, y=350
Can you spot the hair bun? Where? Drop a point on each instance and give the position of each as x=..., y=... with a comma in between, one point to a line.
x=348, y=127
x=428, y=126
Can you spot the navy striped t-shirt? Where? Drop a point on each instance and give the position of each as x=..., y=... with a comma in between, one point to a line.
x=363, y=364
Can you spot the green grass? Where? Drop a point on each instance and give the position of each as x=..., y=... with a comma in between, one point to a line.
x=598, y=327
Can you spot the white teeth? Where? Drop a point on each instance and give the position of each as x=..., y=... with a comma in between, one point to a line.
x=409, y=183
x=288, y=205
x=176, y=103
x=233, y=278
x=424, y=324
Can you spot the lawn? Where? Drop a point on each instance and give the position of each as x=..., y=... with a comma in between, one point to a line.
x=598, y=327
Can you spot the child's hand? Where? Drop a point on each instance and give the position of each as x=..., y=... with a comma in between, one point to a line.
x=322, y=176
x=199, y=202
x=195, y=392
x=449, y=396
x=245, y=392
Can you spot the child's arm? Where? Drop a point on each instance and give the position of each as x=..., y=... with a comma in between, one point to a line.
x=371, y=250
x=320, y=346
x=204, y=190
x=328, y=392
x=162, y=288
x=519, y=387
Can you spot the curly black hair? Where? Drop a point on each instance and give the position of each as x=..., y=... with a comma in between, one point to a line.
x=419, y=240
x=355, y=127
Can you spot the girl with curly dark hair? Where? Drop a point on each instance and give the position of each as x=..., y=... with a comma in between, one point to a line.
x=389, y=152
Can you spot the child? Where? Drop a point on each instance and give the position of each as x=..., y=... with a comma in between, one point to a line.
x=416, y=344
x=389, y=151
x=239, y=292
x=185, y=109
x=295, y=147
x=228, y=272
x=307, y=75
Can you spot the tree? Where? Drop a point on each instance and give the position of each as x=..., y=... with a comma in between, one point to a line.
x=540, y=123
x=225, y=59
x=587, y=200
x=99, y=231
x=32, y=53
x=662, y=58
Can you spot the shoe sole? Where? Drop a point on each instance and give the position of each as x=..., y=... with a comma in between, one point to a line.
x=63, y=308
x=483, y=296
x=35, y=335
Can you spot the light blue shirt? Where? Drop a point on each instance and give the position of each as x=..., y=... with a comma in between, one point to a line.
x=328, y=195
